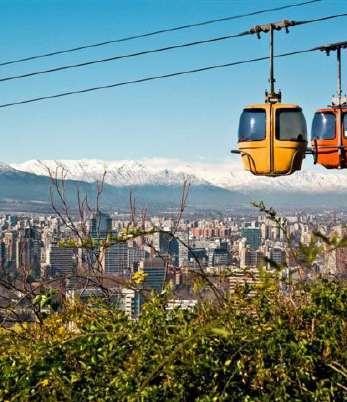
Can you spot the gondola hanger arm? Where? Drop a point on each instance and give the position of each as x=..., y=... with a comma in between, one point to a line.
x=332, y=47
x=338, y=100
x=271, y=96
x=277, y=26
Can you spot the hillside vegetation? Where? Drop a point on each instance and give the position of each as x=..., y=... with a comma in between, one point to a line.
x=257, y=346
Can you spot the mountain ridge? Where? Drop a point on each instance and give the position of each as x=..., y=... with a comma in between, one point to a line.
x=157, y=184
x=159, y=171
x=24, y=191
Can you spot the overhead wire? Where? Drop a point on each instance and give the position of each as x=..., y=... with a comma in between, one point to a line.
x=158, y=50
x=157, y=32
x=158, y=77
x=124, y=56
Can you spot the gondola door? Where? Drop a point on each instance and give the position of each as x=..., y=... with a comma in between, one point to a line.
x=329, y=141
x=289, y=135
x=325, y=135
x=343, y=128
x=254, y=138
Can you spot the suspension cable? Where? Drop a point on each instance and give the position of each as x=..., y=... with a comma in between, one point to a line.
x=157, y=77
x=158, y=32
x=257, y=29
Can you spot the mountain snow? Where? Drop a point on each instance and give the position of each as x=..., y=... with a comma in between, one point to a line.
x=160, y=171
x=118, y=173
x=4, y=167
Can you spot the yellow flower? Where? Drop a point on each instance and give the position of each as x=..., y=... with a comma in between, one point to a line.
x=138, y=277
x=61, y=331
x=44, y=382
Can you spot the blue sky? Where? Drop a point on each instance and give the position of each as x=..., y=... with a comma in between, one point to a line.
x=192, y=117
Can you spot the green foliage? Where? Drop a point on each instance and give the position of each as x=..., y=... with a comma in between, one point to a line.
x=87, y=242
x=47, y=300
x=266, y=347
x=308, y=254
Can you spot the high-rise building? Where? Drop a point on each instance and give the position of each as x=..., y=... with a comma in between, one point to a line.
x=161, y=242
x=218, y=254
x=174, y=250
x=265, y=230
x=99, y=225
x=12, y=220
x=183, y=249
x=249, y=257
x=252, y=236
x=154, y=279
x=129, y=302
x=277, y=255
x=23, y=253
x=218, y=257
x=61, y=260
x=115, y=259
x=197, y=257
x=10, y=240
x=253, y=258
x=28, y=251
x=135, y=255
x=2, y=255
x=155, y=273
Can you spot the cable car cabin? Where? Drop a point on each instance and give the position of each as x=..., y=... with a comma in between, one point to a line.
x=329, y=137
x=272, y=138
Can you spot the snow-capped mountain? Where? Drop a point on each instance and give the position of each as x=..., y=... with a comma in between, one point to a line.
x=4, y=167
x=118, y=173
x=228, y=175
x=154, y=190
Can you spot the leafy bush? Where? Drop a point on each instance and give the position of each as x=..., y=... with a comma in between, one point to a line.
x=268, y=346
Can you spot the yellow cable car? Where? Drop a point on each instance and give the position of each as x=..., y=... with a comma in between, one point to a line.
x=272, y=135
x=272, y=138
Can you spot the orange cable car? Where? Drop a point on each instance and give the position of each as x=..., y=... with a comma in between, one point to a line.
x=272, y=137
x=329, y=125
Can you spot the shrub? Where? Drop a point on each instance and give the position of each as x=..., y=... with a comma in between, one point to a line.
x=268, y=346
